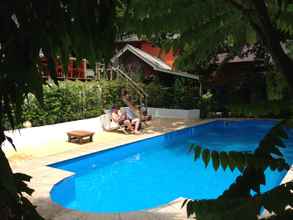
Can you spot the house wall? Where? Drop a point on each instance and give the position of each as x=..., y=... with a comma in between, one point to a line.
x=139, y=70
x=243, y=81
x=174, y=113
x=136, y=68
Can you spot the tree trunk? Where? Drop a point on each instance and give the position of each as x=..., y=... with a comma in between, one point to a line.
x=273, y=42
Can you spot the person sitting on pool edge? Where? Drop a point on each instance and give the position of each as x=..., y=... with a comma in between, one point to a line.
x=120, y=117
x=135, y=121
x=134, y=110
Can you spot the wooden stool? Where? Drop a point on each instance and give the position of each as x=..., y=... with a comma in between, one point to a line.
x=80, y=136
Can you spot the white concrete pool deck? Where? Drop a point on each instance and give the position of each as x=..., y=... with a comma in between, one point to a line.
x=33, y=162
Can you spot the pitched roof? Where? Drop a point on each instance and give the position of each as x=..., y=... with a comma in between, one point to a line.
x=223, y=56
x=156, y=63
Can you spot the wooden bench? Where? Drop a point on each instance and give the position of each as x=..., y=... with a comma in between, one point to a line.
x=79, y=136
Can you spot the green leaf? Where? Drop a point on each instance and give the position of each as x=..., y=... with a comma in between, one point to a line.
x=224, y=160
x=22, y=187
x=279, y=142
x=279, y=131
x=206, y=157
x=197, y=152
x=262, y=179
x=240, y=161
x=290, y=8
x=6, y=177
x=276, y=151
x=232, y=162
x=215, y=160
x=29, y=210
x=184, y=202
x=11, y=142
x=21, y=177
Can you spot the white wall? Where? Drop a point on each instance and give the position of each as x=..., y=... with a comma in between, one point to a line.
x=174, y=113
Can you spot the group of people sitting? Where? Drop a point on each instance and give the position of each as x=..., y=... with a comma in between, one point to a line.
x=130, y=116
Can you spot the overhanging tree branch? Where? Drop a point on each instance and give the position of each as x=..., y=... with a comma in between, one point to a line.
x=272, y=39
x=260, y=21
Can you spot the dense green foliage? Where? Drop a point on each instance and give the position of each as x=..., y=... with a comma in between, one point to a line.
x=55, y=27
x=177, y=96
x=276, y=86
x=14, y=193
x=88, y=28
x=84, y=28
x=71, y=101
x=202, y=29
x=207, y=104
x=80, y=100
x=111, y=93
x=237, y=202
x=67, y=102
x=272, y=109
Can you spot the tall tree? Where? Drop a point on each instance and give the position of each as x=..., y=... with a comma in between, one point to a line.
x=203, y=27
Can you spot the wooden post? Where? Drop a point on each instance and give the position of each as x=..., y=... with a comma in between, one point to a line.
x=111, y=73
x=200, y=88
x=98, y=71
x=117, y=75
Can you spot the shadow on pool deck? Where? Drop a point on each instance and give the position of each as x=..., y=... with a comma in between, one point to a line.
x=55, y=212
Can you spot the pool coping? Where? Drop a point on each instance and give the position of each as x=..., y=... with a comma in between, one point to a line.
x=50, y=210
x=45, y=177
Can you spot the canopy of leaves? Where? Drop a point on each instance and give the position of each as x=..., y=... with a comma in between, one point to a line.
x=85, y=29
x=62, y=28
x=201, y=29
x=198, y=27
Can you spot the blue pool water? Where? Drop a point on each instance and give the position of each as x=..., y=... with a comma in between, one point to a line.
x=155, y=171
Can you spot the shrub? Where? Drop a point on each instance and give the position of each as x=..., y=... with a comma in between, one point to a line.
x=72, y=100
x=111, y=93
x=272, y=109
x=207, y=104
x=178, y=96
x=66, y=102
x=75, y=100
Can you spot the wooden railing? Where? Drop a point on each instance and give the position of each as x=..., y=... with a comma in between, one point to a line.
x=142, y=94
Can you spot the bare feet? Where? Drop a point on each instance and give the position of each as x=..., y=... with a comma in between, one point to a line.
x=137, y=132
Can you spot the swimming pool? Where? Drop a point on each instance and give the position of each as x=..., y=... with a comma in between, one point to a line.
x=155, y=171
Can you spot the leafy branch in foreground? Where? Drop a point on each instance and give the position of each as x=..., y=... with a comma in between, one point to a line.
x=237, y=201
x=275, y=200
x=13, y=191
x=84, y=29
x=223, y=24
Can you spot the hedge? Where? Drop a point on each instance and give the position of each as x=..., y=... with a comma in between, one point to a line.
x=270, y=109
x=75, y=100
x=66, y=102
x=176, y=97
